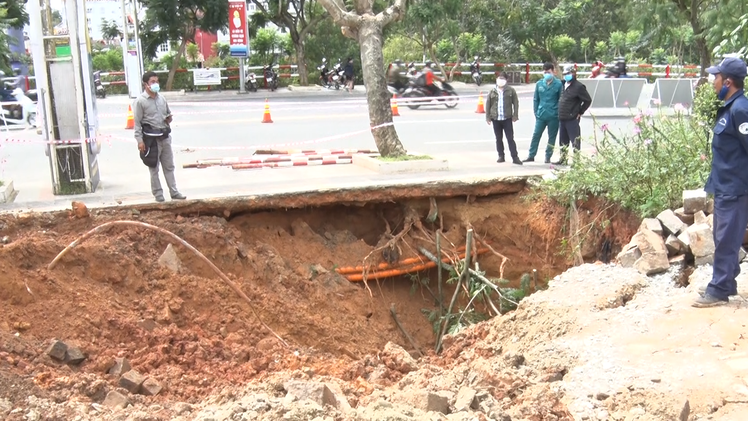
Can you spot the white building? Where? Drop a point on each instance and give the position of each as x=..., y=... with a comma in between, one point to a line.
x=99, y=11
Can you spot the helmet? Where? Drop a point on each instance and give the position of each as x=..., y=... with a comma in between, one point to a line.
x=476, y=58
x=324, y=60
x=399, y=62
x=428, y=63
x=568, y=69
x=2, y=73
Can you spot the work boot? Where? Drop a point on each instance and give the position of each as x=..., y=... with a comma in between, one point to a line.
x=500, y=160
x=708, y=300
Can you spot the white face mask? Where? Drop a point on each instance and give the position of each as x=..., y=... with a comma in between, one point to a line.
x=500, y=82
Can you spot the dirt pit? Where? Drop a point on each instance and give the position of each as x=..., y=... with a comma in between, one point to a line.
x=195, y=336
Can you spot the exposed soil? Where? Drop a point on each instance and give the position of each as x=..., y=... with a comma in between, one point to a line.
x=193, y=334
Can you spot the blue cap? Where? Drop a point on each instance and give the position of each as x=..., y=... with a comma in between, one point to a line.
x=730, y=67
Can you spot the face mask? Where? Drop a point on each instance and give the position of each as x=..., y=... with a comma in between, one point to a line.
x=547, y=76
x=155, y=87
x=722, y=94
x=568, y=78
x=500, y=82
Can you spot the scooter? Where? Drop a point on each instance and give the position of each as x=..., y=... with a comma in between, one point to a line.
x=447, y=96
x=20, y=112
x=271, y=78
x=100, y=91
x=475, y=73
x=251, y=82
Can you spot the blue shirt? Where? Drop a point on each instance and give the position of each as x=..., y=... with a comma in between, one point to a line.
x=729, y=174
x=545, y=103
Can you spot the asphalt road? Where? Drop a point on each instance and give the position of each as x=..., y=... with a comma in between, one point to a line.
x=224, y=129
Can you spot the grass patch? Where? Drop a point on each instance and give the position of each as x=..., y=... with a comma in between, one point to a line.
x=402, y=158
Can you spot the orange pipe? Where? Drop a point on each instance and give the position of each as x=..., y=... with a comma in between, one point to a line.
x=382, y=266
x=402, y=271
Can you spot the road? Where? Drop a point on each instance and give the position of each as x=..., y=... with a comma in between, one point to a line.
x=224, y=129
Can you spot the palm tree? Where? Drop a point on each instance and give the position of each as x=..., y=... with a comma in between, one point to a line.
x=110, y=31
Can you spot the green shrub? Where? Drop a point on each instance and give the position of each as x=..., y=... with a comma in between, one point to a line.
x=646, y=170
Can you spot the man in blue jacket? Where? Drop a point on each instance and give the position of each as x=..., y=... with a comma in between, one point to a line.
x=547, y=93
x=728, y=181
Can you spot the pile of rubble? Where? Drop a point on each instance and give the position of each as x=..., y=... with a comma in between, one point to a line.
x=675, y=238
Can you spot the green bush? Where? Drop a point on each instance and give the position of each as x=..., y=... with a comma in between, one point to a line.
x=646, y=170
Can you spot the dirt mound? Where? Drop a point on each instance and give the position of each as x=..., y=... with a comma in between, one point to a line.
x=195, y=336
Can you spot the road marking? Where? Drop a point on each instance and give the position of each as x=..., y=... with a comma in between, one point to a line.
x=458, y=142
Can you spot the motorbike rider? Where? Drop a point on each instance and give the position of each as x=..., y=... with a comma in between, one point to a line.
x=394, y=78
x=6, y=95
x=428, y=77
x=20, y=80
x=323, y=72
x=475, y=66
x=597, y=70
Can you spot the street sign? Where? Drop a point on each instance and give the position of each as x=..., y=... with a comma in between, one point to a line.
x=238, y=28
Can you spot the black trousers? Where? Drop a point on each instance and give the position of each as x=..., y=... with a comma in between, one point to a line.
x=501, y=127
x=569, y=132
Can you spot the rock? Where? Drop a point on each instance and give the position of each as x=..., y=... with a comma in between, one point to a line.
x=703, y=260
x=131, y=381
x=514, y=360
x=710, y=221
x=181, y=408
x=671, y=223
x=396, y=358
x=465, y=400
x=701, y=240
x=170, y=260
x=150, y=387
x=120, y=366
x=316, y=392
x=687, y=218
x=79, y=210
x=686, y=240
x=674, y=246
x=709, y=206
x=678, y=261
x=651, y=224
x=423, y=400
x=115, y=399
x=57, y=350
x=601, y=396
x=742, y=254
x=629, y=255
x=5, y=239
x=341, y=402
x=694, y=201
x=75, y=356
x=654, y=253
x=699, y=218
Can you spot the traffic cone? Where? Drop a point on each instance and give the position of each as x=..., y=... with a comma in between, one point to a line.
x=481, y=106
x=266, y=116
x=130, y=120
x=395, y=112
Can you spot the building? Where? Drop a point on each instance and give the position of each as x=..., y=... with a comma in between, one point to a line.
x=100, y=11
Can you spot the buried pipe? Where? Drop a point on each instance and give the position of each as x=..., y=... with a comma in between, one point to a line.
x=175, y=237
x=402, y=271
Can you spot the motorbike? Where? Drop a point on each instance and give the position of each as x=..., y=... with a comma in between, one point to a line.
x=419, y=95
x=20, y=112
x=475, y=73
x=324, y=74
x=251, y=82
x=100, y=91
x=271, y=78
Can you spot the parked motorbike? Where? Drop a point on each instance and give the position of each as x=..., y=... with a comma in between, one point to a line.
x=21, y=111
x=338, y=75
x=251, y=82
x=419, y=95
x=100, y=91
x=271, y=78
x=324, y=74
x=476, y=73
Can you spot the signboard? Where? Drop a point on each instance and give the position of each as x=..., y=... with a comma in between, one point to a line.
x=206, y=77
x=238, y=28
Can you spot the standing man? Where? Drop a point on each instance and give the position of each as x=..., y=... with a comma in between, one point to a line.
x=728, y=181
x=503, y=110
x=151, y=112
x=573, y=103
x=348, y=71
x=547, y=93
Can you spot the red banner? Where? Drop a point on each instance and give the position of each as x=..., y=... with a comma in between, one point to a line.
x=238, y=28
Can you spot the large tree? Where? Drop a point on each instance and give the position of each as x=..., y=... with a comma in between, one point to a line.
x=696, y=11
x=178, y=20
x=429, y=22
x=300, y=17
x=366, y=26
x=110, y=31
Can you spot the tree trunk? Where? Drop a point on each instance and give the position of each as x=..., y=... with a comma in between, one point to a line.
x=175, y=63
x=705, y=56
x=371, y=40
x=301, y=62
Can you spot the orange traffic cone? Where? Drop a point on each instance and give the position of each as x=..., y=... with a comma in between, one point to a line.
x=130, y=120
x=481, y=106
x=395, y=111
x=266, y=116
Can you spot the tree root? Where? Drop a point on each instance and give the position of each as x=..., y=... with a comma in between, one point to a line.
x=402, y=329
x=175, y=237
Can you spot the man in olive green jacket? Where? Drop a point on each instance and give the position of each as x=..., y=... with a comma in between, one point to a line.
x=502, y=110
x=547, y=94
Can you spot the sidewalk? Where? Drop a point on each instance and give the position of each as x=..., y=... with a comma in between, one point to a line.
x=252, y=185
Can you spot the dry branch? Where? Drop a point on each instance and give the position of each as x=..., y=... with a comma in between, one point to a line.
x=175, y=237
x=402, y=329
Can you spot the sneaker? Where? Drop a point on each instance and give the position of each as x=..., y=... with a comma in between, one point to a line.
x=529, y=159
x=179, y=196
x=500, y=160
x=160, y=198
x=708, y=300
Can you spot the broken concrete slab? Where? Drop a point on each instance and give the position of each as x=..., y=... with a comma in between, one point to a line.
x=423, y=400
x=119, y=367
x=170, y=260
x=629, y=255
x=687, y=218
x=651, y=224
x=678, y=261
x=316, y=392
x=699, y=218
x=465, y=400
x=701, y=240
x=654, y=255
x=75, y=356
x=131, y=381
x=674, y=246
x=703, y=260
x=396, y=358
x=341, y=402
x=671, y=223
x=652, y=263
x=57, y=350
x=150, y=387
x=115, y=399
x=686, y=240
x=694, y=201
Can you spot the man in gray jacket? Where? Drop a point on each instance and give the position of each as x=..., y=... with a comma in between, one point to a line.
x=502, y=110
x=151, y=110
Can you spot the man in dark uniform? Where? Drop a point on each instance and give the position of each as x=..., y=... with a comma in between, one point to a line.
x=728, y=181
